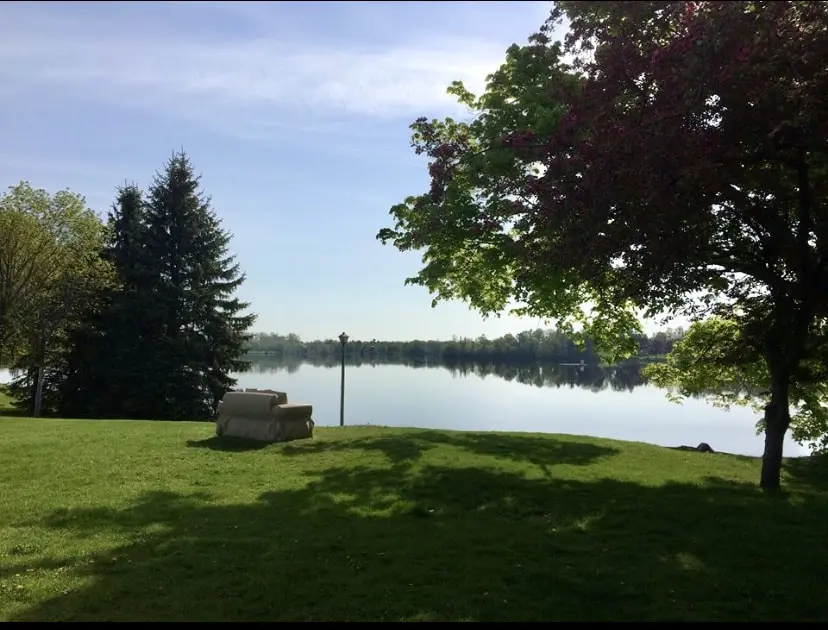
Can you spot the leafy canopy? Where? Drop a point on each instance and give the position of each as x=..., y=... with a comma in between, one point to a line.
x=677, y=164
x=713, y=361
x=478, y=223
x=49, y=261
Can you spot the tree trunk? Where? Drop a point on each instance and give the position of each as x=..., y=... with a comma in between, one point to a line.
x=38, y=398
x=777, y=420
x=2, y=337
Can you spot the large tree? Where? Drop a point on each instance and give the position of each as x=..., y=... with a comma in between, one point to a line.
x=205, y=329
x=107, y=353
x=166, y=341
x=50, y=268
x=675, y=163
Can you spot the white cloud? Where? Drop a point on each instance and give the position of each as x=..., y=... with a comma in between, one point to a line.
x=264, y=82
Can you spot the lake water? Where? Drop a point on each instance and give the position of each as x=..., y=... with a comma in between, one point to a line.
x=436, y=397
x=590, y=401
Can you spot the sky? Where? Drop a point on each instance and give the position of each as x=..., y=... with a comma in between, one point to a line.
x=296, y=115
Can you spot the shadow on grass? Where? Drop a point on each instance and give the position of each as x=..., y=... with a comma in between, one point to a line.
x=11, y=412
x=448, y=543
x=807, y=471
x=228, y=444
x=405, y=448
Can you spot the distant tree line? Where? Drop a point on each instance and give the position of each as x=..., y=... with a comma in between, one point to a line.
x=531, y=346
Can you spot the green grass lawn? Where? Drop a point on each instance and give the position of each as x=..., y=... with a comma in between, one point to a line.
x=109, y=520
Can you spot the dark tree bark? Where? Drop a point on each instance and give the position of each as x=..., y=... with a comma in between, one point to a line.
x=777, y=421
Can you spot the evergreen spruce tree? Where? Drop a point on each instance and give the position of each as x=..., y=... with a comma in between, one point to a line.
x=108, y=356
x=162, y=343
x=200, y=330
x=125, y=248
x=136, y=324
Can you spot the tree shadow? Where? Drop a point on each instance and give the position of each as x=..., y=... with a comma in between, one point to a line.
x=408, y=446
x=11, y=412
x=228, y=444
x=542, y=452
x=447, y=543
x=399, y=449
x=807, y=471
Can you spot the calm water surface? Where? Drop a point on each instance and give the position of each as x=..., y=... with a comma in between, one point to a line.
x=436, y=397
x=601, y=403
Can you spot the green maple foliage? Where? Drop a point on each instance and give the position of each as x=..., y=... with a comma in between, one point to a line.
x=713, y=361
x=478, y=223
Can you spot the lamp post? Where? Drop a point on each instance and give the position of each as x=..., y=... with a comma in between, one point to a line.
x=343, y=339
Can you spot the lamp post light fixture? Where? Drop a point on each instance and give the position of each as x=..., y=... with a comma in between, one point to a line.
x=343, y=339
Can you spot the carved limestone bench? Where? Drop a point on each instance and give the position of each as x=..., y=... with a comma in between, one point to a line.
x=263, y=415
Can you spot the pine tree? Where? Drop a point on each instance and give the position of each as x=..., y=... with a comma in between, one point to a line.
x=136, y=325
x=125, y=249
x=161, y=345
x=203, y=330
x=107, y=357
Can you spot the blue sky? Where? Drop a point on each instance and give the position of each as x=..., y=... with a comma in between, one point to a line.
x=296, y=115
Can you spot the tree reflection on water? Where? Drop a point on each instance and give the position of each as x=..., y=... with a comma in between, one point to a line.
x=588, y=376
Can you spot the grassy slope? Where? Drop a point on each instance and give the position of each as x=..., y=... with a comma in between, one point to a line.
x=136, y=520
